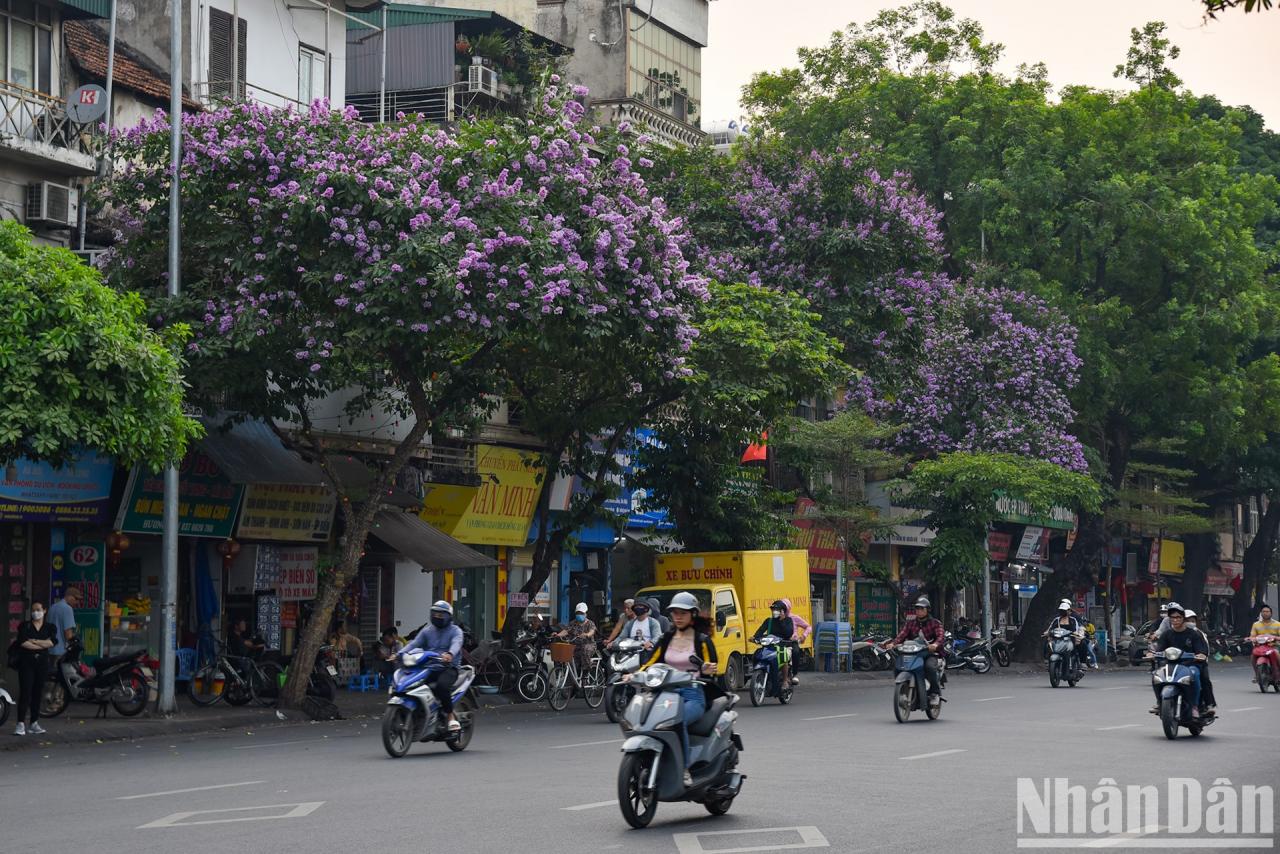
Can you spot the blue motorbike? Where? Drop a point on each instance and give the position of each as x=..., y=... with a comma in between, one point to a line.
x=413, y=713
x=1174, y=683
x=910, y=684
x=766, y=671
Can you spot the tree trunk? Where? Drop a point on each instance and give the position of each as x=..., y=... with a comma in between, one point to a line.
x=1257, y=561
x=1077, y=566
x=1201, y=550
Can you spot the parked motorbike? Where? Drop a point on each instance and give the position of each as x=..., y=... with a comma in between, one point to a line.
x=624, y=659
x=911, y=686
x=766, y=671
x=652, y=768
x=413, y=713
x=1064, y=663
x=1266, y=662
x=973, y=655
x=1172, y=682
x=867, y=654
x=125, y=681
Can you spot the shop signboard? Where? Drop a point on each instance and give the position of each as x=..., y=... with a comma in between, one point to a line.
x=85, y=568
x=1018, y=511
x=496, y=514
x=286, y=513
x=998, y=544
x=1172, y=557
x=288, y=570
x=1153, y=559
x=820, y=541
x=268, y=620
x=1034, y=544
x=875, y=609
x=632, y=501
x=37, y=492
x=207, y=501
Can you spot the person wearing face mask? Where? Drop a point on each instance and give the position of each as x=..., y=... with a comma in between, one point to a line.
x=1206, y=684
x=35, y=638
x=780, y=625
x=442, y=636
x=581, y=632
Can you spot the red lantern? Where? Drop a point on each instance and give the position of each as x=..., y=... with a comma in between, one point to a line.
x=228, y=548
x=117, y=544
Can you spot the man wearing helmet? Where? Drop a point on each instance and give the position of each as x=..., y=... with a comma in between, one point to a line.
x=934, y=636
x=1066, y=620
x=442, y=636
x=1194, y=649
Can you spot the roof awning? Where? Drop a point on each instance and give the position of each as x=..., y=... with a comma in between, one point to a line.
x=653, y=540
x=86, y=8
x=251, y=452
x=425, y=545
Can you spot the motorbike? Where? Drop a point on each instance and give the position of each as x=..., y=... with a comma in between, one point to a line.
x=910, y=685
x=624, y=659
x=1266, y=662
x=1172, y=682
x=652, y=768
x=413, y=713
x=5, y=702
x=125, y=681
x=1064, y=663
x=867, y=654
x=974, y=655
x=766, y=671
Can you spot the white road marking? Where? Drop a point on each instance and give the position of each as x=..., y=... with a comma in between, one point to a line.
x=1121, y=726
x=180, y=819
x=989, y=699
x=1117, y=688
x=1248, y=709
x=586, y=744
x=1129, y=839
x=193, y=789
x=810, y=837
x=596, y=805
x=275, y=743
x=932, y=755
x=831, y=717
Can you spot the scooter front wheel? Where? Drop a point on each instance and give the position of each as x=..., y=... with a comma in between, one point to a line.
x=1002, y=656
x=1054, y=676
x=397, y=731
x=902, y=701
x=1264, y=677
x=637, y=803
x=1169, y=717
x=759, y=685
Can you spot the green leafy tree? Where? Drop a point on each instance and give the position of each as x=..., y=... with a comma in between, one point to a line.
x=1147, y=62
x=958, y=494
x=79, y=368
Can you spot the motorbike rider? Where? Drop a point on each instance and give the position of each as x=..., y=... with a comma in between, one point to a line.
x=934, y=636
x=1193, y=645
x=442, y=636
x=690, y=635
x=1206, y=684
x=802, y=633
x=1267, y=626
x=1067, y=620
x=627, y=615
x=641, y=626
x=780, y=625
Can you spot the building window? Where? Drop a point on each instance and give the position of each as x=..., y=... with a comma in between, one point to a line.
x=311, y=74
x=664, y=69
x=26, y=45
x=221, y=56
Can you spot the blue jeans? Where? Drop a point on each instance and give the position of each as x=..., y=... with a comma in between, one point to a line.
x=694, y=706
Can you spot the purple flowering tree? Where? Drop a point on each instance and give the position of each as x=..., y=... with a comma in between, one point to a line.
x=409, y=265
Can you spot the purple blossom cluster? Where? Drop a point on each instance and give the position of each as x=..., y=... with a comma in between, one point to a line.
x=967, y=368
x=320, y=230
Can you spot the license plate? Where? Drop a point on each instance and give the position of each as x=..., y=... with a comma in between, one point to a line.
x=146, y=671
x=333, y=671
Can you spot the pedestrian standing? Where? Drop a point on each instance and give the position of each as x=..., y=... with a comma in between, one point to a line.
x=62, y=615
x=35, y=639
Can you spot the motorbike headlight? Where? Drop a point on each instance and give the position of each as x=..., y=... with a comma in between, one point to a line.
x=653, y=680
x=1185, y=680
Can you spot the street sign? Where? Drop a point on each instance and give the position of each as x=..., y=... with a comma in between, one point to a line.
x=87, y=104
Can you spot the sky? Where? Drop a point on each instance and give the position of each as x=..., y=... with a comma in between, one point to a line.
x=1236, y=57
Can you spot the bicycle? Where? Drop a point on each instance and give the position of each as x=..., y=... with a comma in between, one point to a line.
x=237, y=679
x=500, y=670
x=565, y=678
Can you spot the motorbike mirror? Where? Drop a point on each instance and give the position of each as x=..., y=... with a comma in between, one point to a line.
x=721, y=620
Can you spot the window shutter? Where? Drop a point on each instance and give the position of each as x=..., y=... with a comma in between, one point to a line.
x=220, y=54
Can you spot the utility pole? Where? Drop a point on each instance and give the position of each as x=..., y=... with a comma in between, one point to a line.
x=382, y=75
x=986, y=585
x=169, y=577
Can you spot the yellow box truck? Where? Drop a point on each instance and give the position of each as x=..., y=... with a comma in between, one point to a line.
x=734, y=591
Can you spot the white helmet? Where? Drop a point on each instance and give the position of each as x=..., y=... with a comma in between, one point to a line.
x=1064, y=605
x=683, y=601
x=581, y=609
x=1189, y=614
x=443, y=607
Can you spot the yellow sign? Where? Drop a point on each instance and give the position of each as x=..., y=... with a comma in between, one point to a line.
x=286, y=513
x=1172, y=557
x=496, y=514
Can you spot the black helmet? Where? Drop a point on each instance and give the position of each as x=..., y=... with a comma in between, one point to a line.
x=777, y=605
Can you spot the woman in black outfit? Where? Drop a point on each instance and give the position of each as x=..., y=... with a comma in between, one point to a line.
x=35, y=638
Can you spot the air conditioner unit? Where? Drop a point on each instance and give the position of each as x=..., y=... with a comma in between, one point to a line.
x=54, y=204
x=482, y=79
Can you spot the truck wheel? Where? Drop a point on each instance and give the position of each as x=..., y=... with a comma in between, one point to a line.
x=733, y=674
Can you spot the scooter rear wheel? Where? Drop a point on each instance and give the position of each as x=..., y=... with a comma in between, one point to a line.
x=981, y=663
x=719, y=806
x=932, y=711
x=638, y=804
x=465, y=710
x=131, y=697
x=53, y=699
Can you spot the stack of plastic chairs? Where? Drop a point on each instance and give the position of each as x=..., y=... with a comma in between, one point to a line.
x=832, y=644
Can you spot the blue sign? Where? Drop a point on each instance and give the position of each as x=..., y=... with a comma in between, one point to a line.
x=37, y=492
x=632, y=501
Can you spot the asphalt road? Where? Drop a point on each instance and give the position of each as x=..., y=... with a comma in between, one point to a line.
x=834, y=762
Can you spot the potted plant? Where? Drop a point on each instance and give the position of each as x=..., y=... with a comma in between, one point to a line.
x=491, y=46
x=462, y=45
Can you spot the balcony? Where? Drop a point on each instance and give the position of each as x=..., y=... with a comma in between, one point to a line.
x=214, y=93
x=35, y=129
x=439, y=104
x=664, y=127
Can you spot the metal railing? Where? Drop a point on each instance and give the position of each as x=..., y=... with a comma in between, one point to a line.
x=439, y=104
x=213, y=92
x=36, y=117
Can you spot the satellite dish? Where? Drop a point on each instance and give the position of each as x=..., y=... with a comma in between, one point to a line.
x=87, y=104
